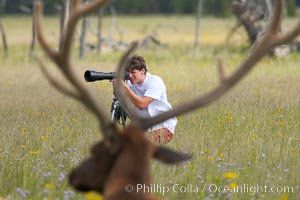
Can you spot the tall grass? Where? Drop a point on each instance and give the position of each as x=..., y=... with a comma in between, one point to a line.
x=249, y=139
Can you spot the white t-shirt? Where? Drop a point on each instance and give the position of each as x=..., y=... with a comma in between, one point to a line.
x=154, y=87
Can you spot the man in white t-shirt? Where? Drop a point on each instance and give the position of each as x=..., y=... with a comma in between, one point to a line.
x=148, y=93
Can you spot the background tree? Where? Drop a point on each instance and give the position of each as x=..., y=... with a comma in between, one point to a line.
x=197, y=31
x=27, y=10
x=2, y=31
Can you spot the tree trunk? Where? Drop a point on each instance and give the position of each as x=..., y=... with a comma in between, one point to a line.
x=247, y=20
x=197, y=31
x=32, y=44
x=82, y=37
x=99, y=31
x=5, y=48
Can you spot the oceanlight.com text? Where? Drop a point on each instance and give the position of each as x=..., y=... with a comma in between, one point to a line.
x=208, y=188
x=250, y=189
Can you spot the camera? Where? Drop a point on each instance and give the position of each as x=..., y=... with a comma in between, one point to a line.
x=118, y=113
x=91, y=76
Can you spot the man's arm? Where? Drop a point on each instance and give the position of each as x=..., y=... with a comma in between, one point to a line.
x=140, y=102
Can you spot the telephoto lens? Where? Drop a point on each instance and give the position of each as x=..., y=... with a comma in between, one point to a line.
x=91, y=76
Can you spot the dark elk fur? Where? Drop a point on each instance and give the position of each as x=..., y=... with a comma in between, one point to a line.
x=109, y=173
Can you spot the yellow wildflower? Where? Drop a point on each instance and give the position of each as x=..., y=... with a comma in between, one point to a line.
x=74, y=120
x=93, y=196
x=279, y=134
x=208, y=158
x=44, y=137
x=49, y=186
x=278, y=111
x=35, y=152
x=232, y=185
x=284, y=197
x=228, y=117
x=230, y=175
x=280, y=123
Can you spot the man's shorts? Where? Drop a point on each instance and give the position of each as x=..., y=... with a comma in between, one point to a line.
x=160, y=136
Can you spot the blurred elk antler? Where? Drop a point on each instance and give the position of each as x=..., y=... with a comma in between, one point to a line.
x=271, y=38
x=122, y=158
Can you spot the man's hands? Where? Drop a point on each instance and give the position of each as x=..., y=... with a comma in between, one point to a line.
x=139, y=102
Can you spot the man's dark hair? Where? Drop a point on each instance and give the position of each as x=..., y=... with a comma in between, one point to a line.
x=137, y=62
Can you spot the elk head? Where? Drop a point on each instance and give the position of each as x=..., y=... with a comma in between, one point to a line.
x=109, y=172
x=123, y=156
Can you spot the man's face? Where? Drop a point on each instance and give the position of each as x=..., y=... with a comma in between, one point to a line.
x=136, y=76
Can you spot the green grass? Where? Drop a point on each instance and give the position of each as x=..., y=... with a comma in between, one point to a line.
x=250, y=137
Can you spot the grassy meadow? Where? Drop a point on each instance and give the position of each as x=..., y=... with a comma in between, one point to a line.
x=247, y=142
